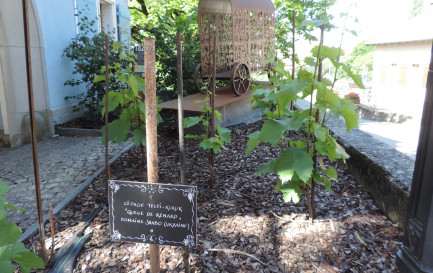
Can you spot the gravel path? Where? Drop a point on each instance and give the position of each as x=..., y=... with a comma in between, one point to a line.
x=64, y=162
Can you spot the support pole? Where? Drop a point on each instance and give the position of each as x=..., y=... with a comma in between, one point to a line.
x=211, y=155
x=151, y=134
x=33, y=129
x=185, y=250
x=107, y=79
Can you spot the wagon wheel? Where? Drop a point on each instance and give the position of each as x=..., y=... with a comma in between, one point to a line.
x=240, y=78
x=202, y=85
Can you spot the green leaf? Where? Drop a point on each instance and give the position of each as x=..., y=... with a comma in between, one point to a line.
x=28, y=260
x=313, y=23
x=9, y=232
x=9, y=206
x=114, y=100
x=291, y=191
x=191, y=121
x=218, y=115
x=332, y=173
x=332, y=53
x=267, y=167
x=294, y=160
x=6, y=266
x=310, y=61
x=99, y=78
x=117, y=131
x=348, y=110
x=327, y=183
x=320, y=132
x=327, y=148
x=289, y=91
x=341, y=152
x=139, y=136
x=4, y=188
x=225, y=134
x=272, y=131
x=117, y=45
x=253, y=141
x=123, y=56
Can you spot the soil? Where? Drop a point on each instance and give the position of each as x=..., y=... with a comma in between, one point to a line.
x=82, y=123
x=241, y=212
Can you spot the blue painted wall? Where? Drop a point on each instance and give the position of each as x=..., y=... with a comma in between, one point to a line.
x=58, y=24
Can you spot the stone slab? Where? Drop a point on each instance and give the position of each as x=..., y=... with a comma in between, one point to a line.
x=234, y=109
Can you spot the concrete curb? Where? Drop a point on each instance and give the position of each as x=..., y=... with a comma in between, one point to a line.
x=63, y=131
x=33, y=229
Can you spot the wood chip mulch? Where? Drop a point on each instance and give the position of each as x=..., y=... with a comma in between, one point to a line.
x=241, y=215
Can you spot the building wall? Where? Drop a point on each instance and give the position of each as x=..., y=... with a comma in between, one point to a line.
x=53, y=25
x=59, y=27
x=13, y=83
x=400, y=75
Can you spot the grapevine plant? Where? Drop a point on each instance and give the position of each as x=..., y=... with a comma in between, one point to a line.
x=126, y=101
x=12, y=251
x=300, y=165
x=212, y=144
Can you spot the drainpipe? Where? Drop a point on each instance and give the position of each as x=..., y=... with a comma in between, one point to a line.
x=76, y=18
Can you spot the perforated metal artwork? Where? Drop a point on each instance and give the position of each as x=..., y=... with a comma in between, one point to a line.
x=245, y=32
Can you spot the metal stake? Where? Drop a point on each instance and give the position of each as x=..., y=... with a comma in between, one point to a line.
x=185, y=250
x=151, y=135
x=107, y=78
x=33, y=129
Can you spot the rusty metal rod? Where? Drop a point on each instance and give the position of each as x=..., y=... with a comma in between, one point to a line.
x=107, y=79
x=151, y=134
x=33, y=129
x=293, y=49
x=52, y=234
x=184, y=250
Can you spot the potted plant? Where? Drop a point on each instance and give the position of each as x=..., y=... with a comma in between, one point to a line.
x=353, y=97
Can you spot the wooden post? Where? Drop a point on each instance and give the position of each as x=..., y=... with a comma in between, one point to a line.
x=151, y=136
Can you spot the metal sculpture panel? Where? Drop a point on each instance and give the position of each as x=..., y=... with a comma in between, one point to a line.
x=244, y=31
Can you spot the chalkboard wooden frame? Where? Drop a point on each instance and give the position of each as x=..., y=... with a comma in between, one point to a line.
x=152, y=213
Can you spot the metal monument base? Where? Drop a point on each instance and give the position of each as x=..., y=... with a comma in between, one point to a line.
x=406, y=263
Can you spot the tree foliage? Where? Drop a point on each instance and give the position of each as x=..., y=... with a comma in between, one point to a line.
x=162, y=19
x=362, y=56
x=88, y=55
x=307, y=11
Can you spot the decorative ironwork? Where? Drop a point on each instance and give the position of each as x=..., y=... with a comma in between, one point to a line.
x=244, y=31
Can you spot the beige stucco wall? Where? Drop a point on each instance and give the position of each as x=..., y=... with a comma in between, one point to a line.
x=399, y=76
x=13, y=72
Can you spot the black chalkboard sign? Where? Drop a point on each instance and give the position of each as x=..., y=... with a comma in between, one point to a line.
x=139, y=59
x=153, y=213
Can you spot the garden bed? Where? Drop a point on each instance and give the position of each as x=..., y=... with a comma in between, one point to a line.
x=242, y=213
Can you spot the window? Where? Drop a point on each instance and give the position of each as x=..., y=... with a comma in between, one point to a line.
x=107, y=17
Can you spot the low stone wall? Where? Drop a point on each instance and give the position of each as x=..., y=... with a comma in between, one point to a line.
x=371, y=113
x=384, y=172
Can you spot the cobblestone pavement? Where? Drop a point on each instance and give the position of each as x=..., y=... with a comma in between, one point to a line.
x=64, y=163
